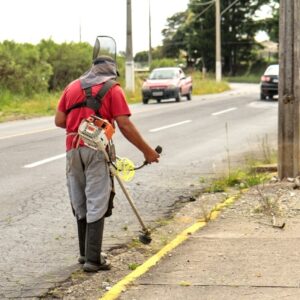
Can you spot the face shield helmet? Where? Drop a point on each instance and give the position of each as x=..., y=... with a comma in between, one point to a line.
x=105, y=46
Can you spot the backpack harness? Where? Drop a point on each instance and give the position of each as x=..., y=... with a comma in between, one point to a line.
x=94, y=131
x=93, y=102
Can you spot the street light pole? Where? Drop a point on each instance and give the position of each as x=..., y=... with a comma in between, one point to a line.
x=218, y=42
x=129, y=66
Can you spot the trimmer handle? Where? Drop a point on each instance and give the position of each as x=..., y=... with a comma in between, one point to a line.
x=158, y=149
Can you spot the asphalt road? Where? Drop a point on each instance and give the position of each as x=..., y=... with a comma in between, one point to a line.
x=38, y=238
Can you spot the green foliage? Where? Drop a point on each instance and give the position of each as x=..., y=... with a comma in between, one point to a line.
x=142, y=56
x=22, y=69
x=14, y=106
x=133, y=266
x=238, y=178
x=69, y=61
x=193, y=32
x=207, y=85
x=166, y=62
x=175, y=34
x=33, y=76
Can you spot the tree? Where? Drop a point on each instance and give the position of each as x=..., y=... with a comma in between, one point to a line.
x=271, y=25
x=175, y=35
x=194, y=32
x=143, y=55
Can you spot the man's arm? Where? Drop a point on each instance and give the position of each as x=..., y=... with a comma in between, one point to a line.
x=131, y=133
x=60, y=119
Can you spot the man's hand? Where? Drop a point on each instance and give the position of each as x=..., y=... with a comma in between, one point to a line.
x=151, y=156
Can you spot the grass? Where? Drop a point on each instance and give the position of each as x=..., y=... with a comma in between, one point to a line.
x=245, y=176
x=243, y=79
x=14, y=107
x=268, y=204
x=133, y=266
x=239, y=179
x=20, y=107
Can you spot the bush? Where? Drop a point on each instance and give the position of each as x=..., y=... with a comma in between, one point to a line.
x=22, y=69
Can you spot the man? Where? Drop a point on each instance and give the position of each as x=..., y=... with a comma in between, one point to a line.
x=88, y=178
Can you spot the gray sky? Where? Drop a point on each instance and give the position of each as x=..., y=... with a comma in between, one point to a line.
x=33, y=20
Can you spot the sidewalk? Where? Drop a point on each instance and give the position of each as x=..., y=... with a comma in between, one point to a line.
x=240, y=255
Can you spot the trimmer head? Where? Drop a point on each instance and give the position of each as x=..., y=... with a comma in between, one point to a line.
x=145, y=237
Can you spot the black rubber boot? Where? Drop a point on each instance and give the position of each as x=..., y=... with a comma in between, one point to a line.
x=81, y=226
x=94, y=262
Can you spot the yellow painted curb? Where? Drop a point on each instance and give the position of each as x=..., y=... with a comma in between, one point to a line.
x=117, y=289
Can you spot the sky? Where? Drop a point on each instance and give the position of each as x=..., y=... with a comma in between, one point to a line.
x=33, y=20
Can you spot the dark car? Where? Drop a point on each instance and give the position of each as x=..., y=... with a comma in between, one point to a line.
x=166, y=83
x=269, y=82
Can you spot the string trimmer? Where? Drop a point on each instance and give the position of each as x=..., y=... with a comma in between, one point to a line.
x=96, y=134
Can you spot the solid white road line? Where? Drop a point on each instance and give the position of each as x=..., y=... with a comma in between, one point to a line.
x=223, y=111
x=170, y=126
x=45, y=161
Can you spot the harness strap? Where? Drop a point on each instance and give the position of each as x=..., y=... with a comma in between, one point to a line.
x=76, y=139
x=105, y=88
x=93, y=102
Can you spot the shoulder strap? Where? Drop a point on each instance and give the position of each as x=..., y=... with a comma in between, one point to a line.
x=93, y=102
x=105, y=88
x=88, y=93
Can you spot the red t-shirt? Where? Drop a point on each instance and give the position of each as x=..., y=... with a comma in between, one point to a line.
x=113, y=104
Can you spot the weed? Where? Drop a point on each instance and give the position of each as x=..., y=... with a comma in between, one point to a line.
x=205, y=213
x=269, y=155
x=133, y=266
x=202, y=180
x=227, y=148
x=239, y=179
x=268, y=205
x=134, y=243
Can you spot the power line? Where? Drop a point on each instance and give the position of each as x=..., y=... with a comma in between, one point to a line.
x=199, y=15
x=205, y=3
x=228, y=7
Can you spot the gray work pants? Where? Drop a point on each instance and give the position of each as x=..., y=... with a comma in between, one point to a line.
x=88, y=182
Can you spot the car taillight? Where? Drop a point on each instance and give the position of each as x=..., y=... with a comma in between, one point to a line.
x=265, y=78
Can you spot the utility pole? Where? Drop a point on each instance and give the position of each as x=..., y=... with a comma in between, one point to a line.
x=129, y=66
x=289, y=89
x=218, y=42
x=150, y=46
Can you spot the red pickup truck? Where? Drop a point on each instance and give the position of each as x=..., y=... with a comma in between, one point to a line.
x=166, y=83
